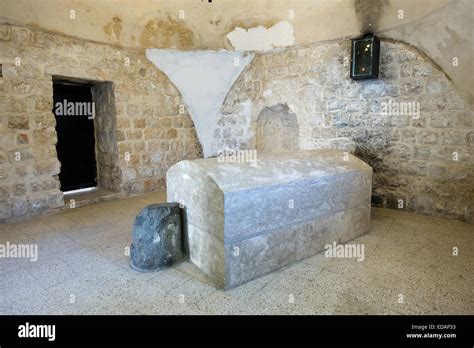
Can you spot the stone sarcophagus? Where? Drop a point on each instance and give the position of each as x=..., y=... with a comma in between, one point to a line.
x=244, y=220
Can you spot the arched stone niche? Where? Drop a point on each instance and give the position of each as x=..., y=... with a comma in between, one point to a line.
x=277, y=129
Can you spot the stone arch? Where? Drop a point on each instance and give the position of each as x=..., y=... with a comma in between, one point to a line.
x=277, y=129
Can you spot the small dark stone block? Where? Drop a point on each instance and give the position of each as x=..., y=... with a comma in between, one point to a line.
x=157, y=238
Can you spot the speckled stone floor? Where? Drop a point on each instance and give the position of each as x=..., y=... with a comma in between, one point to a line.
x=409, y=268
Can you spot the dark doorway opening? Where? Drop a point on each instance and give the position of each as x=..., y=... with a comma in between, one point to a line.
x=74, y=111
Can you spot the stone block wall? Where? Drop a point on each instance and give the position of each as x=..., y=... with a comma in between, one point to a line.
x=105, y=126
x=140, y=128
x=422, y=163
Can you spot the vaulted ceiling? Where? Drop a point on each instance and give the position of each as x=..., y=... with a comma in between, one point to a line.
x=157, y=23
x=440, y=28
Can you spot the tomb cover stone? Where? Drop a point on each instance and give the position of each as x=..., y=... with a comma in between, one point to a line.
x=248, y=219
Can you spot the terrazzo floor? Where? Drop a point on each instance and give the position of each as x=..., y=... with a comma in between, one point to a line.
x=82, y=268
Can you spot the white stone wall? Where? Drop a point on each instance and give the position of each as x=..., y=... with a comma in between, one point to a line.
x=414, y=158
x=144, y=121
x=423, y=164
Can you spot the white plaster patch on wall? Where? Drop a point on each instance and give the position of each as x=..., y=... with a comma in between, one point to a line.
x=261, y=38
x=204, y=79
x=267, y=93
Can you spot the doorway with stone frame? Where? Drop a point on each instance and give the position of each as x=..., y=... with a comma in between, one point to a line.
x=93, y=139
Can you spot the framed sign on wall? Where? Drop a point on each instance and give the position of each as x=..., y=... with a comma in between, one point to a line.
x=365, y=54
